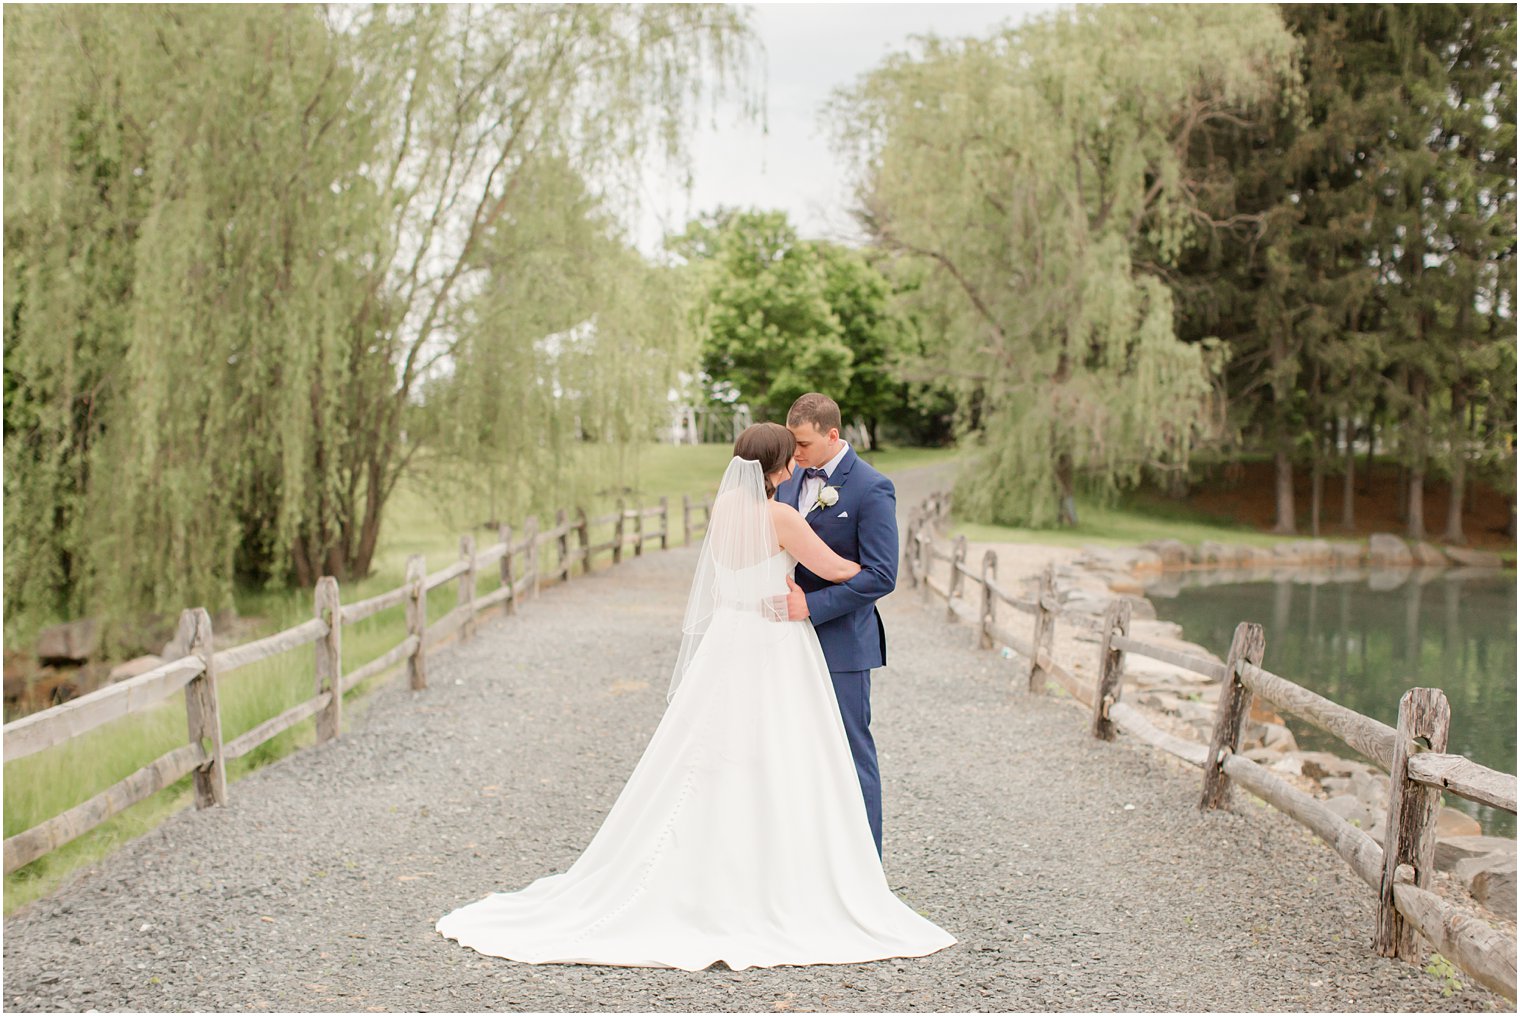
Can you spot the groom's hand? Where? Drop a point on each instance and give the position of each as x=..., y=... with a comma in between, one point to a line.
x=796, y=602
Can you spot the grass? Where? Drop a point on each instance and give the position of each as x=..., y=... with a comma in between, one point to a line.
x=418, y=521
x=1132, y=521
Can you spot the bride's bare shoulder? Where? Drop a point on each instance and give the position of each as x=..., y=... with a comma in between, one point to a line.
x=782, y=513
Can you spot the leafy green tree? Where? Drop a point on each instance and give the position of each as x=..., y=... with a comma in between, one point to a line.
x=874, y=330
x=782, y=316
x=1042, y=174
x=767, y=324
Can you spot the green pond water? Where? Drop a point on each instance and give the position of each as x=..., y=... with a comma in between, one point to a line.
x=1364, y=642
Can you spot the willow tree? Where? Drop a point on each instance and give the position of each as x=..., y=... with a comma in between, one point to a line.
x=1041, y=173
x=178, y=296
x=471, y=99
x=238, y=238
x=563, y=361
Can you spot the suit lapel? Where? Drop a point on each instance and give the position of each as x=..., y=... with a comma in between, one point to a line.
x=840, y=477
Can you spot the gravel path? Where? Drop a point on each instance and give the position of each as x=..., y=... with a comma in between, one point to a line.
x=1077, y=874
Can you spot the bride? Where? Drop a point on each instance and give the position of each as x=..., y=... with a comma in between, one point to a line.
x=741, y=835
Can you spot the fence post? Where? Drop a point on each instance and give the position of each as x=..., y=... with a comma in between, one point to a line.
x=989, y=602
x=686, y=520
x=467, y=585
x=638, y=531
x=507, y=579
x=1110, y=667
x=203, y=714
x=1044, y=628
x=910, y=547
x=329, y=650
x=562, y=523
x=926, y=562
x=1410, y=836
x=664, y=523
x=1249, y=645
x=530, y=534
x=617, y=534
x=583, y=537
x=416, y=621
x=926, y=550
x=957, y=577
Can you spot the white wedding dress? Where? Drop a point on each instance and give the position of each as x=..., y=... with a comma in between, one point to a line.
x=741, y=835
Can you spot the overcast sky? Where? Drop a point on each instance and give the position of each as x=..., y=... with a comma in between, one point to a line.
x=810, y=49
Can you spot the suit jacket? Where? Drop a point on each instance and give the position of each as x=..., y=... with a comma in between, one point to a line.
x=861, y=527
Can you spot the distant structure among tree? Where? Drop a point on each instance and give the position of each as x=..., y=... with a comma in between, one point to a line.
x=691, y=425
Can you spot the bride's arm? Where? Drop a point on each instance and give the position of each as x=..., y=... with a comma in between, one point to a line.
x=796, y=536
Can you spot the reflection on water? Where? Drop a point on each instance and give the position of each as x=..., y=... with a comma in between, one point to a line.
x=1363, y=639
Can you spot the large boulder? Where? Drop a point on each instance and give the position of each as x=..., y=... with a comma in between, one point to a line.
x=1323, y=764
x=1470, y=558
x=1388, y=551
x=1121, y=559
x=1173, y=553
x=71, y=642
x=1491, y=880
x=1278, y=737
x=1428, y=555
x=1258, y=557
x=1371, y=790
x=1453, y=822
x=1218, y=555
x=1347, y=555
x=1315, y=551
x=1354, y=811
x=1450, y=850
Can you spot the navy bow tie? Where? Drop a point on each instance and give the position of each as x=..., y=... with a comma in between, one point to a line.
x=812, y=471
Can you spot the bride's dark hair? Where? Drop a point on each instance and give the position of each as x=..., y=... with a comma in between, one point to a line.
x=769, y=444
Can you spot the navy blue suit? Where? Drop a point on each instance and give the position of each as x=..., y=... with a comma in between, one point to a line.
x=861, y=527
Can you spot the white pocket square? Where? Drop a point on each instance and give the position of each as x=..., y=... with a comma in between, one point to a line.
x=843, y=515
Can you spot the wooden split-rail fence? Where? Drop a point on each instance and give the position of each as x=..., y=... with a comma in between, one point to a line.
x=1413, y=753
x=522, y=571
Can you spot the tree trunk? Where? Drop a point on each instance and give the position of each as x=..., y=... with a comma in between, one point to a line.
x=1284, y=493
x=1415, y=528
x=301, y=563
x=1065, y=488
x=369, y=534
x=1348, y=482
x=1316, y=494
x=1454, y=532
x=1371, y=448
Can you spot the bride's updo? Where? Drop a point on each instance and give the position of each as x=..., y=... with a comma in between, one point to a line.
x=769, y=444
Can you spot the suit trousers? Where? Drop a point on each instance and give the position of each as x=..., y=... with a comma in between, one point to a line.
x=853, y=690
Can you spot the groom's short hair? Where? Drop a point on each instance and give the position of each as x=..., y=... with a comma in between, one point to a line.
x=819, y=410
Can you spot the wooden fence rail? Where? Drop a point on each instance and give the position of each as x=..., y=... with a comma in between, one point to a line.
x=1413, y=754
x=521, y=569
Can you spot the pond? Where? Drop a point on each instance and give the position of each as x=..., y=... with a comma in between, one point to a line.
x=1364, y=641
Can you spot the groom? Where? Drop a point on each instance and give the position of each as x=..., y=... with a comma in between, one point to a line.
x=853, y=509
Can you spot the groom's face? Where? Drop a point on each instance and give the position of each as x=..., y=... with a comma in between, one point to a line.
x=814, y=448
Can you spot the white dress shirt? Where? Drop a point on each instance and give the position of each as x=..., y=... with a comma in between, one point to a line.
x=812, y=485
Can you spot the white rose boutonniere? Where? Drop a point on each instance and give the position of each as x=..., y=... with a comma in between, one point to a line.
x=828, y=497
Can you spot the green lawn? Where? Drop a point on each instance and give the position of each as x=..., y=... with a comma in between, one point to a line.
x=1134, y=520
